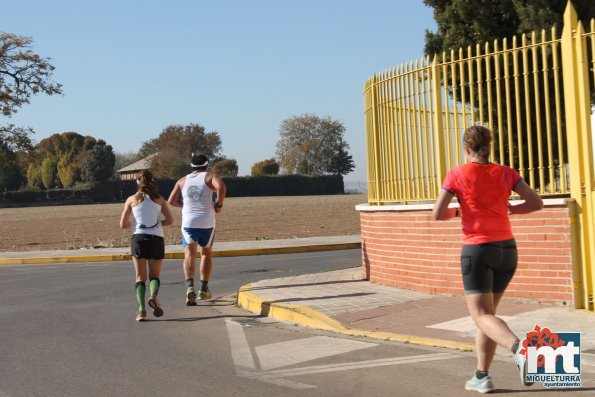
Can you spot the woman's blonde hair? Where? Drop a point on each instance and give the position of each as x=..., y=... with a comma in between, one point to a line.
x=478, y=139
x=146, y=185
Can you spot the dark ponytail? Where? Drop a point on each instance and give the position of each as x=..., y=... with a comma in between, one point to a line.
x=146, y=185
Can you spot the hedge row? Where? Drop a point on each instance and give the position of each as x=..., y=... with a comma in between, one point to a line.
x=51, y=195
x=286, y=185
x=117, y=191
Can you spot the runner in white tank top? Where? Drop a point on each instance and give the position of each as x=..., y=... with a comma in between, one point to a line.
x=194, y=194
x=198, y=210
x=147, y=244
x=147, y=218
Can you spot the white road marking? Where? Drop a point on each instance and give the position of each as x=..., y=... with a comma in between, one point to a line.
x=300, y=350
x=317, y=369
x=263, y=377
x=281, y=354
x=240, y=350
x=244, y=361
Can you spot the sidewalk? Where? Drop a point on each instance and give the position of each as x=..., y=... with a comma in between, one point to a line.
x=239, y=248
x=342, y=301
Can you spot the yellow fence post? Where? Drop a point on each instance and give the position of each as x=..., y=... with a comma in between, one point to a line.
x=375, y=137
x=437, y=127
x=576, y=102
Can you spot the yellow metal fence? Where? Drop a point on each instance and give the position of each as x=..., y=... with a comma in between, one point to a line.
x=415, y=116
x=533, y=92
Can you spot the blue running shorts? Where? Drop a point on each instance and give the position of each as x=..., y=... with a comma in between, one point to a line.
x=204, y=237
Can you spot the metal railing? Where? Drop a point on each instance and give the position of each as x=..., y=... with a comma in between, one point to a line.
x=416, y=115
x=533, y=92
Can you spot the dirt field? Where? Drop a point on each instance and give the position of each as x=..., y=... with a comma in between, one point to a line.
x=242, y=219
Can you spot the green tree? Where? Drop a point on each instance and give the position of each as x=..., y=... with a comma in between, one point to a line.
x=22, y=74
x=466, y=23
x=225, y=167
x=310, y=145
x=70, y=144
x=34, y=176
x=99, y=164
x=48, y=173
x=11, y=176
x=148, y=148
x=268, y=167
x=177, y=142
x=69, y=150
x=67, y=173
x=178, y=169
x=342, y=163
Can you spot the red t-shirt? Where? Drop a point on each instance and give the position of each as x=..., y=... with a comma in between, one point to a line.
x=483, y=191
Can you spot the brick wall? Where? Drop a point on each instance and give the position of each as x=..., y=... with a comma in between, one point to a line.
x=405, y=248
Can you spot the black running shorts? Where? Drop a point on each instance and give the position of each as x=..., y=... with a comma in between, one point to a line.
x=488, y=267
x=147, y=246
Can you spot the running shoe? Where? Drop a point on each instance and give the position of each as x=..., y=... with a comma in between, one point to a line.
x=521, y=364
x=141, y=316
x=483, y=385
x=204, y=294
x=191, y=297
x=157, y=311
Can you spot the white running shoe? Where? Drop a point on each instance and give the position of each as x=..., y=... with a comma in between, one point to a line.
x=191, y=297
x=483, y=385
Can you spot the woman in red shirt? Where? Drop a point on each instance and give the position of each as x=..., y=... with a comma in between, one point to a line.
x=489, y=254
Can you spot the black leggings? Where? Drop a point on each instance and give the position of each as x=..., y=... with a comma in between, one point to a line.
x=488, y=267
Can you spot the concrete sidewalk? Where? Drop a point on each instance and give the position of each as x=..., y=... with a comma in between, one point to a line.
x=343, y=301
x=239, y=248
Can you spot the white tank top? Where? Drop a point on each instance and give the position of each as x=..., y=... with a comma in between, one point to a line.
x=147, y=218
x=198, y=210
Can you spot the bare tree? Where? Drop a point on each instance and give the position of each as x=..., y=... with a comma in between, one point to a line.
x=22, y=74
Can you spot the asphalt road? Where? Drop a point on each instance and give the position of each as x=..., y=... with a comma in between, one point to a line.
x=69, y=330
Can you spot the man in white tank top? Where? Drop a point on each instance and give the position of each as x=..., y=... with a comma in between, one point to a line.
x=200, y=194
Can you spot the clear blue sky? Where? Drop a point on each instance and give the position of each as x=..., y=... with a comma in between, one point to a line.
x=131, y=68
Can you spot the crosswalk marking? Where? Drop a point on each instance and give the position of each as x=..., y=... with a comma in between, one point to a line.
x=276, y=355
x=317, y=369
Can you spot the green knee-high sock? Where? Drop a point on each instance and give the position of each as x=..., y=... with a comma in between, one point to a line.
x=154, y=287
x=139, y=289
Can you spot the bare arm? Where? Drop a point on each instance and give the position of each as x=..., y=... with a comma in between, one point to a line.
x=175, y=197
x=441, y=212
x=219, y=187
x=125, y=221
x=533, y=201
x=169, y=219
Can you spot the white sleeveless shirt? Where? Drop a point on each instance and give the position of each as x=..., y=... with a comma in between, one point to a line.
x=198, y=209
x=147, y=218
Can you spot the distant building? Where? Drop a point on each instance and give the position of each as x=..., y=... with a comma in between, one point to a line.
x=131, y=171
